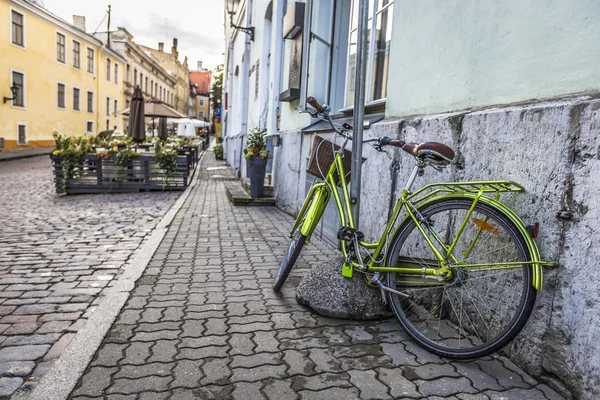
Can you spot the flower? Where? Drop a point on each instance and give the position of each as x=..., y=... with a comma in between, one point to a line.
x=256, y=145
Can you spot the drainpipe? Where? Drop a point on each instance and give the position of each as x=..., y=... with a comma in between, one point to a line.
x=244, y=84
x=359, y=108
x=275, y=78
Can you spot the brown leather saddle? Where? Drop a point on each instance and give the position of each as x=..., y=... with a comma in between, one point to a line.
x=434, y=151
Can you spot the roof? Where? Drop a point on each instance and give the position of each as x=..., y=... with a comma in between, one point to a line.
x=202, y=79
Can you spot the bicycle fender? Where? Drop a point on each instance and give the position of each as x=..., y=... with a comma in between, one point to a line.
x=315, y=211
x=536, y=268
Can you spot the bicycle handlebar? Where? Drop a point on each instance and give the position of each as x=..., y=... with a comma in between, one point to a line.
x=324, y=110
x=315, y=104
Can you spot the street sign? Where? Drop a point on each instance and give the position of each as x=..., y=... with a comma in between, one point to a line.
x=217, y=111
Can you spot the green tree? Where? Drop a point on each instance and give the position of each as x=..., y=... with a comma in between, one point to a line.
x=217, y=87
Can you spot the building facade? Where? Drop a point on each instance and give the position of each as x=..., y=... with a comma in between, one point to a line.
x=66, y=81
x=177, y=70
x=511, y=86
x=141, y=69
x=202, y=78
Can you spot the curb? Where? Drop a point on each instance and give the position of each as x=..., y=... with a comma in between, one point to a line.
x=22, y=156
x=61, y=379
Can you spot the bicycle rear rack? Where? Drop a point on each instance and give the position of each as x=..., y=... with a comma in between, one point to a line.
x=495, y=187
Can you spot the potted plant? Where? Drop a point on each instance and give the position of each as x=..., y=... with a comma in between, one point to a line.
x=257, y=156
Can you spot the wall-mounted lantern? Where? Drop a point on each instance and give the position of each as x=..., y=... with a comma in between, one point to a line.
x=232, y=9
x=14, y=90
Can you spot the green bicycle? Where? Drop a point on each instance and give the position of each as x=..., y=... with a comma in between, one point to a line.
x=461, y=270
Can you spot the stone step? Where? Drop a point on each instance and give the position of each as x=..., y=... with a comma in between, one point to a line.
x=240, y=197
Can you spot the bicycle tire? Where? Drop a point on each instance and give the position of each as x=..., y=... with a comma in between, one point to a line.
x=504, y=318
x=289, y=260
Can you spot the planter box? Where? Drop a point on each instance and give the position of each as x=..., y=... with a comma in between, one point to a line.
x=94, y=175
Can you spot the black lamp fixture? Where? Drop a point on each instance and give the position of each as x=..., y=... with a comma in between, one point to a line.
x=232, y=8
x=14, y=91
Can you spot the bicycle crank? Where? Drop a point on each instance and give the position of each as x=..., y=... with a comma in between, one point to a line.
x=377, y=281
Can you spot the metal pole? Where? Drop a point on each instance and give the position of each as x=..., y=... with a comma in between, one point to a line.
x=108, y=35
x=359, y=107
x=245, y=89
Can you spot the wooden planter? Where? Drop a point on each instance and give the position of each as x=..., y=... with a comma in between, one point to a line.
x=94, y=175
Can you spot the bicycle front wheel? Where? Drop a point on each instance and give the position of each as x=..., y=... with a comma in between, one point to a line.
x=289, y=260
x=489, y=296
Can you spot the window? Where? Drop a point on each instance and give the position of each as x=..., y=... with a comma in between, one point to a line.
x=108, y=106
x=116, y=73
x=90, y=127
x=141, y=81
x=90, y=102
x=90, y=60
x=21, y=134
x=76, y=54
x=200, y=114
x=76, y=99
x=107, y=124
x=201, y=102
x=146, y=85
x=61, y=95
x=152, y=88
x=108, y=69
x=135, y=77
x=127, y=103
x=116, y=107
x=380, y=34
x=60, y=48
x=18, y=31
x=18, y=80
x=128, y=73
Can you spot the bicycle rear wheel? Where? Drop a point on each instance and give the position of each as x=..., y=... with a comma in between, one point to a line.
x=289, y=260
x=478, y=310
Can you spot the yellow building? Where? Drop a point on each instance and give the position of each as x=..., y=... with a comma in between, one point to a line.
x=65, y=80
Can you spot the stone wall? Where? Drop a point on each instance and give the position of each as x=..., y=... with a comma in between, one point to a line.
x=551, y=148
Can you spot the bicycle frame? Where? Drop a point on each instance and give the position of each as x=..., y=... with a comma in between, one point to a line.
x=319, y=195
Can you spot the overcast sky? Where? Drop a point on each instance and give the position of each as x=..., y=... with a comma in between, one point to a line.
x=197, y=24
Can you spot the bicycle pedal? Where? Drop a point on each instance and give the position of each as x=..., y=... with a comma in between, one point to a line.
x=347, y=233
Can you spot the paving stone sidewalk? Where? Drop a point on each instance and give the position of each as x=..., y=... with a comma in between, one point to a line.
x=203, y=323
x=57, y=256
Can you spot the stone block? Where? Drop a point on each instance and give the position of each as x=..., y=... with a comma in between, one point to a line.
x=328, y=293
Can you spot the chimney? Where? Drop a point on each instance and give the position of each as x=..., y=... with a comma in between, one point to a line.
x=174, y=49
x=161, y=46
x=199, y=65
x=79, y=22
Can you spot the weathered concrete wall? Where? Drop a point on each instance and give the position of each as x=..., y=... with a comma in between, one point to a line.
x=476, y=53
x=552, y=149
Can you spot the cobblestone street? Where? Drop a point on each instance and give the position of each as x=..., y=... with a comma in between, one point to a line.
x=204, y=323
x=57, y=254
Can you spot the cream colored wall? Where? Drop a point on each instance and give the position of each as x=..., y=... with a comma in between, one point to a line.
x=470, y=53
x=205, y=108
x=112, y=90
x=42, y=75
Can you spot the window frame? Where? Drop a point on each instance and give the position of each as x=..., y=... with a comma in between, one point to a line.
x=19, y=124
x=200, y=116
x=23, y=28
x=91, y=51
x=107, y=106
x=116, y=72
x=372, y=26
x=64, y=50
x=200, y=102
x=108, y=70
x=64, y=85
x=78, y=109
x=76, y=65
x=116, y=107
x=87, y=101
x=87, y=124
x=23, y=89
